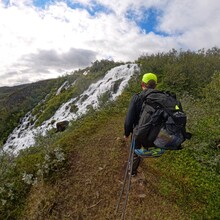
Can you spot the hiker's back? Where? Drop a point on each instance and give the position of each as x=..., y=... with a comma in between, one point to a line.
x=161, y=114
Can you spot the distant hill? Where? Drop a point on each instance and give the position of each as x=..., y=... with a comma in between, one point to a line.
x=16, y=101
x=7, y=91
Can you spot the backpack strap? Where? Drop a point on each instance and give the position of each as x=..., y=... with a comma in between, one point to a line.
x=157, y=105
x=147, y=101
x=145, y=93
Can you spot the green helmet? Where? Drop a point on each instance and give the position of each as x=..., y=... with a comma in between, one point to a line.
x=149, y=76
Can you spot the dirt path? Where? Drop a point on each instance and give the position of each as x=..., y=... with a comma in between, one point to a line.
x=91, y=187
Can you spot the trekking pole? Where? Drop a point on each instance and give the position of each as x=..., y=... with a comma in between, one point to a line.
x=128, y=168
x=124, y=181
x=129, y=179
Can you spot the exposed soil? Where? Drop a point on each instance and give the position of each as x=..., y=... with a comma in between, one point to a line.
x=91, y=186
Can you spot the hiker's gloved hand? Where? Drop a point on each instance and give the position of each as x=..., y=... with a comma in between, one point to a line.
x=127, y=139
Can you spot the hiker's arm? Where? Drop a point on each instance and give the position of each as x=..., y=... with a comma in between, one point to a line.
x=130, y=117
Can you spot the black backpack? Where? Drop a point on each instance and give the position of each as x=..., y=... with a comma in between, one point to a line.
x=162, y=121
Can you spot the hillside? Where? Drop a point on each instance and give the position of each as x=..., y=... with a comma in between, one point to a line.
x=66, y=107
x=78, y=173
x=16, y=101
x=41, y=98
x=91, y=186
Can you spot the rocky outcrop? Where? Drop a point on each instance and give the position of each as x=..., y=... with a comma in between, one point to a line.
x=62, y=126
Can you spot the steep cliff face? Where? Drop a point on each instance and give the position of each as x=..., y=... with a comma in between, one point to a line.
x=106, y=89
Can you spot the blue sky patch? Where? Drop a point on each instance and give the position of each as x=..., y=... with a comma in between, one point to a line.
x=42, y=3
x=6, y=2
x=95, y=9
x=99, y=9
x=148, y=22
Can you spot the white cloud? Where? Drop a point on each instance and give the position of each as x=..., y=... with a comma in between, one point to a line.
x=181, y=16
x=196, y=24
x=28, y=33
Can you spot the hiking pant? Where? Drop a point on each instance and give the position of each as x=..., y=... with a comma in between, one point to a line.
x=136, y=158
x=136, y=163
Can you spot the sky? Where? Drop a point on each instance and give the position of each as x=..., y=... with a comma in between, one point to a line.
x=43, y=39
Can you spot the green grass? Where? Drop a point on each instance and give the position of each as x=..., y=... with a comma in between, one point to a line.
x=179, y=185
x=89, y=184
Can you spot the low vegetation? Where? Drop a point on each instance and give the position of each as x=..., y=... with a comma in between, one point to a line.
x=77, y=174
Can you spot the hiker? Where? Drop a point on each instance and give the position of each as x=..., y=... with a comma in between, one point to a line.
x=149, y=81
x=156, y=121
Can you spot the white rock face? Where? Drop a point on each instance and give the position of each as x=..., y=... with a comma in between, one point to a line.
x=113, y=82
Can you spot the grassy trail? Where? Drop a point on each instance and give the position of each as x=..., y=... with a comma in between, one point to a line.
x=90, y=188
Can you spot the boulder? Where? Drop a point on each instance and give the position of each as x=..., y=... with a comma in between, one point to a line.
x=62, y=125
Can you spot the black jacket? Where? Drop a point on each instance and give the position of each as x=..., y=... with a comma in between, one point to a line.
x=133, y=114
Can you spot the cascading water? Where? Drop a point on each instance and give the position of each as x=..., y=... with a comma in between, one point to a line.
x=113, y=83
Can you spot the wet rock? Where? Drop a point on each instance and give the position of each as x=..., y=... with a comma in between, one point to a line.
x=62, y=126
